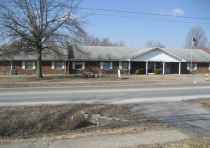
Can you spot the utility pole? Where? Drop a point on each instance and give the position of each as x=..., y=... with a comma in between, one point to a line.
x=194, y=45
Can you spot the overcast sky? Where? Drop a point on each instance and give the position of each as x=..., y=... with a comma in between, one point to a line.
x=135, y=30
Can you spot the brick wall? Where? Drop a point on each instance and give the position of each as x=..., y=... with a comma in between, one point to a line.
x=203, y=68
x=46, y=67
x=20, y=71
x=4, y=67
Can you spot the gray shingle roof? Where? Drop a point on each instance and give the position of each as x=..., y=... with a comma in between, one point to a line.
x=113, y=53
x=124, y=53
x=198, y=55
x=103, y=53
x=47, y=55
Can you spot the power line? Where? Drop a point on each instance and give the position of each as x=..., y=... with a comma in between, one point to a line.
x=165, y=20
x=143, y=13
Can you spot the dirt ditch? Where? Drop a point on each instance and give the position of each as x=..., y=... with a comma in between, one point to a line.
x=27, y=122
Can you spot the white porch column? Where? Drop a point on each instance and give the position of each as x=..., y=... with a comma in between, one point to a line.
x=146, y=67
x=180, y=68
x=129, y=66
x=164, y=68
x=120, y=65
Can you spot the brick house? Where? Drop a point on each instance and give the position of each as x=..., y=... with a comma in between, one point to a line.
x=110, y=59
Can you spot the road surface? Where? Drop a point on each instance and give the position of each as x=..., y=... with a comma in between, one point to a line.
x=115, y=95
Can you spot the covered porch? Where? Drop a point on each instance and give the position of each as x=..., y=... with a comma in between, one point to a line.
x=152, y=67
x=157, y=61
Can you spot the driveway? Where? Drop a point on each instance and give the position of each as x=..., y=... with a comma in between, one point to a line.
x=190, y=118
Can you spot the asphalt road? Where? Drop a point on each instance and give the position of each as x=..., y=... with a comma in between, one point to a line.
x=115, y=95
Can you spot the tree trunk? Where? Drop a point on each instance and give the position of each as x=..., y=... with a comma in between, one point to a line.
x=39, y=65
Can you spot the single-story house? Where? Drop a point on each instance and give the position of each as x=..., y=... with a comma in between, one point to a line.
x=110, y=59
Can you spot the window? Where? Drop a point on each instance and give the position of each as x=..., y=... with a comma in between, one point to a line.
x=78, y=65
x=209, y=67
x=124, y=65
x=28, y=65
x=106, y=65
x=194, y=67
x=59, y=65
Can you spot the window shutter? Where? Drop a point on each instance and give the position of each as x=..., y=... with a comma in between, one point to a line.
x=23, y=65
x=53, y=65
x=101, y=65
x=83, y=66
x=195, y=67
x=73, y=65
x=34, y=65
x=63, y=65
x=111, y=67
x=188, y=66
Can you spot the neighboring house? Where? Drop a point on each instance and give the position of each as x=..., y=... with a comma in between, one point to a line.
x=26, y=63
x=110, y=59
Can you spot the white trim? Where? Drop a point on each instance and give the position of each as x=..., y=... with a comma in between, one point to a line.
x=156, y=55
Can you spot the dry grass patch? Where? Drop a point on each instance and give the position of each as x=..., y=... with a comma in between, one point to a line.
x=27, y=122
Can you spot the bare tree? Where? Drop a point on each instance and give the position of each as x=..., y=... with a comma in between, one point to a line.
x=34, y=26
x=95, y=41
x=154, y=44
x=196, y=38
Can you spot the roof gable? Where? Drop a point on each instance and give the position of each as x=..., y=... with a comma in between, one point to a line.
x=156, y=55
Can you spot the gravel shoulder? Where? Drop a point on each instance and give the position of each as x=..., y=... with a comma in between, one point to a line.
x=108, y=141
